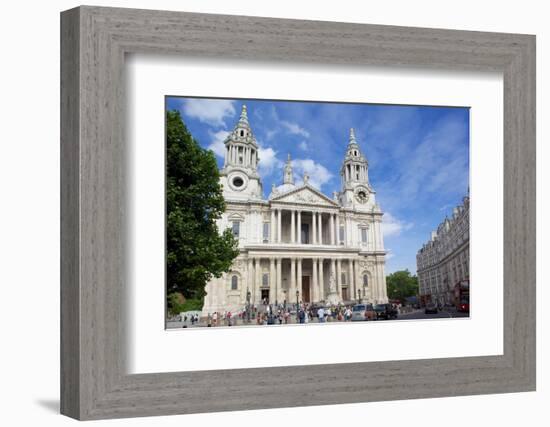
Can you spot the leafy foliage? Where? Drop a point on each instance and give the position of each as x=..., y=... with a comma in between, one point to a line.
x=196, y=251
x=401, y=284
x=177, y=304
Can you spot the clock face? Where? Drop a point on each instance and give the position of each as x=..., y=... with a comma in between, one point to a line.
x=237, y=182
x=362, y=195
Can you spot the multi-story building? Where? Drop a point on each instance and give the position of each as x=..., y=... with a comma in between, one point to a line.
x=299, y=244
x=443, y=263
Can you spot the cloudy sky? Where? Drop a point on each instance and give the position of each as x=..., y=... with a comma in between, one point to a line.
x=418, y=156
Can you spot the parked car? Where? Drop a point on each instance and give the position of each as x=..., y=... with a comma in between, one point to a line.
x=430, y=308
x=385, y=311
x=361, y=312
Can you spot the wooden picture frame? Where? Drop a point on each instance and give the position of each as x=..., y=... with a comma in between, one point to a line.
x=94, y=41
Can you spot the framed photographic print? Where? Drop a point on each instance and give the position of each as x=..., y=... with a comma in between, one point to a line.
x=323, y=204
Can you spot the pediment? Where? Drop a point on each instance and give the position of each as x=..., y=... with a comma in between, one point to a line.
x=305, y=195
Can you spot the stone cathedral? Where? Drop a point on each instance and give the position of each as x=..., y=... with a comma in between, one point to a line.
x=299, y=244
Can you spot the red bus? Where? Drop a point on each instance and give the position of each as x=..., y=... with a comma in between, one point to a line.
x=462, y=296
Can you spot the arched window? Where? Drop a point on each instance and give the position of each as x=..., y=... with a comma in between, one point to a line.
x=343, y=278
x=365, y=280
x=234, y=283
x=242, y=132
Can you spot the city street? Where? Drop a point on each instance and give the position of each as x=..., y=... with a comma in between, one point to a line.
x=443, y=314
x=419, y=314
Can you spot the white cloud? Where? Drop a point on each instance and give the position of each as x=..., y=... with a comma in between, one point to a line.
x=303, y=146
x=294, y=128
x=268, y=161
x=392, y=226
x=389, y=254
x=318, y=174
x=210, y=111
x=217, y=145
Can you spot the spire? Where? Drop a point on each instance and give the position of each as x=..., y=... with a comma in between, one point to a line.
x=352, y=136
x=243, y=120
x=288, y=178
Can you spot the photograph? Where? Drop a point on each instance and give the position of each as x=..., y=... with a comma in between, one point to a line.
x=283, y=212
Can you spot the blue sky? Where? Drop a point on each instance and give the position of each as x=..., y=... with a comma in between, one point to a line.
x=418, y=156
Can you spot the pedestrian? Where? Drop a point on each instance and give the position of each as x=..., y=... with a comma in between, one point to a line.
x=321, y=315
x=287, y=315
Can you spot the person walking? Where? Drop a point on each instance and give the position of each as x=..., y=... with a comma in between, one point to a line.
x=321, y=314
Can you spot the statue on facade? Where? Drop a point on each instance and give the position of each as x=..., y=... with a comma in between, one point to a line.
x=332, y=283
x=332, y=297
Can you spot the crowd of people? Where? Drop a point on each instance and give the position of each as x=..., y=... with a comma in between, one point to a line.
x=277, y=314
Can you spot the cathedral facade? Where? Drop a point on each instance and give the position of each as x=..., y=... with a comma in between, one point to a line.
x=299, y=244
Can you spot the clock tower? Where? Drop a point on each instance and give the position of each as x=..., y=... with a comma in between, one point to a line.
x=356, y=190
x=239, y=176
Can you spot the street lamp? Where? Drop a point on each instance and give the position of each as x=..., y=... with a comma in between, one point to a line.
x=297, y=303
x=359, y=291
x=247, y=304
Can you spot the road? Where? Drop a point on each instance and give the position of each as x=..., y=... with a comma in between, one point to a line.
x=414, y=315
x=419, y=314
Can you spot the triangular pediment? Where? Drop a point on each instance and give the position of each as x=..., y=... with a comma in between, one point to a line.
x=305, y=195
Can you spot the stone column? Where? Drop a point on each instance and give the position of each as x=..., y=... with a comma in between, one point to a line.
x=272, y=284
x=292, y=290
x=313, y=228
x=250, y=280
x=337, y=229
x=333, y=268
x=339, y=277
x=345, y=231
x=320, y=226
x=351, y=281
x=299, y=281
x=332, y=229
x=257, y=292
x=321, y=280
x=315, y=284
x=279, y=226
x=299, y=229
x=292, y=226
x=279, y=291
x=272, y=227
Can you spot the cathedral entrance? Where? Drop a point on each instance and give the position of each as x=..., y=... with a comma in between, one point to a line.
x=265, y=295
x=305, y=289
x=345, y=294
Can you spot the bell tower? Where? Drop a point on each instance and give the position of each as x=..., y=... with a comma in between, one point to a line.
x=356, y=190
x=239, y=176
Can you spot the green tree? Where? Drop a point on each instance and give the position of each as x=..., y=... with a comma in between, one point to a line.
x=196, y=251
x=401, y=284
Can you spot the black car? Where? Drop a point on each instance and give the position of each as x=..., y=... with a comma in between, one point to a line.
x=430, y=309
x=385, y=311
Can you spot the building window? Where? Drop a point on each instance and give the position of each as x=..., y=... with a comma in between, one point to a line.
x=341, y=234
x=343, y=278
x=365, y=280
x=234, y=283
x=364, y=235
x=266, y=232
x=242, y=132
x=236, y=228
x=265, y=279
